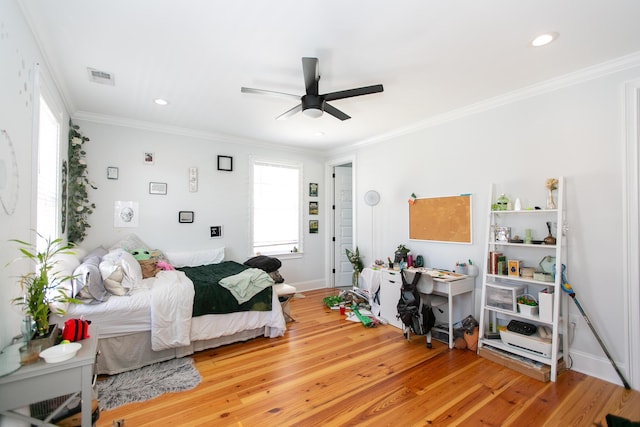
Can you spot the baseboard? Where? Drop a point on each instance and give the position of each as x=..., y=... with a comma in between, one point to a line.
x=595, y=367
x=309, y=286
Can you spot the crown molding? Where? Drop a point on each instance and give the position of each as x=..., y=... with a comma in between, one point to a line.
x=551, y=85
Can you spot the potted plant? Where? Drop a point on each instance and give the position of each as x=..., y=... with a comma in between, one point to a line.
x=401, y=253
x=527, y=305
x=356, y=262
x=40, y=286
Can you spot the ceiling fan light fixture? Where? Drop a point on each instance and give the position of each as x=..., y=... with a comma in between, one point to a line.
x=314, y=113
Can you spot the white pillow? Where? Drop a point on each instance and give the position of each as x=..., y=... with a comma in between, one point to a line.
x=120, y=271
x=130, y=242
x=196, y=258
x=87, y=281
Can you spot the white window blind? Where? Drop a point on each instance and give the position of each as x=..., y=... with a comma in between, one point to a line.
x=48, y=195
x=276, y=208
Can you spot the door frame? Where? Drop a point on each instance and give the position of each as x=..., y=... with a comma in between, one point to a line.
x=630, y=232
x=330, y=247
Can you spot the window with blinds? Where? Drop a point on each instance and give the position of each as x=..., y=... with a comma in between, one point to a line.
x=276, y=208
x=48, y=184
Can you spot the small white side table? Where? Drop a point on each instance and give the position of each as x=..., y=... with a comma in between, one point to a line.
x=41, y=381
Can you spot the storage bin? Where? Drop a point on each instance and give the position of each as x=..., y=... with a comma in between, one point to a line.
x=504, y=296
x=545, y=301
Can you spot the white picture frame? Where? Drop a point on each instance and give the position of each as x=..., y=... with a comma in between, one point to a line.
x=112, y=172
x=159, y=188
x=149, y=158
x=125, y=214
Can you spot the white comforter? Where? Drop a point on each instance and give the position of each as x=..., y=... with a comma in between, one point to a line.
x=172, y=296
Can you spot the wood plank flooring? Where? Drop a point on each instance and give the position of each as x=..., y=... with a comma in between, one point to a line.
x=329, y=371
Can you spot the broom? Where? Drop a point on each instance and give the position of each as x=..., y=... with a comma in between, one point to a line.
x=568, y=289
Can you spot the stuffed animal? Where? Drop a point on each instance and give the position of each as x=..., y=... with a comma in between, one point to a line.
x=163, y=265
x=140, y=254
x=75, y=330
x=147, y=263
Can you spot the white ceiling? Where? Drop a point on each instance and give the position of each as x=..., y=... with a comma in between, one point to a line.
x=432, y=57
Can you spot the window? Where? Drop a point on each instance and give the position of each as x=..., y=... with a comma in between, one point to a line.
x=48, y=197
x=276, y=208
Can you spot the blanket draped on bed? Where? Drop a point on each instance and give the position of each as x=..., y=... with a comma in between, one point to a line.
x=211, y=298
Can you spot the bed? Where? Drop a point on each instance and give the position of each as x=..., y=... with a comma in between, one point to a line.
x=162, y=317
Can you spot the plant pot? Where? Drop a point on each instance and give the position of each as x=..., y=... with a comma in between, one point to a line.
x=47, y=340
x=528, y=310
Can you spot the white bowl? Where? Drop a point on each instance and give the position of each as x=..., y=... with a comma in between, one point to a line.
x=60, y=352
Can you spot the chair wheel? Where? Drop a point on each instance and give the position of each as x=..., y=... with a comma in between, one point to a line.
x=429, y=345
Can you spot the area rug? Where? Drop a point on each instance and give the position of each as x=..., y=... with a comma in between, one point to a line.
x=148, y=382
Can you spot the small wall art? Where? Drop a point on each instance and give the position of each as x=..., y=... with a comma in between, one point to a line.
x=149, y=158
x=185, y=217
x=313, y=208
x=125, y=214
x=313, y=226
x=225, y=163
x=158, y=188
x=313, y=189
x=112, y=172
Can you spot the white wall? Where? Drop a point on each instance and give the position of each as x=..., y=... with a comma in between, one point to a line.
x=223, y=198
x=576, y=131
x=20, y=85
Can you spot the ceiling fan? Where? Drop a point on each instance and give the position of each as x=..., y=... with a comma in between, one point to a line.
x=312, y=103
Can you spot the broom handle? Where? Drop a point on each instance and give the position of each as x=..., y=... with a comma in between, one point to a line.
x=604, y=348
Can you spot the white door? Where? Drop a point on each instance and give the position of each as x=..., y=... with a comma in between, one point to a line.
x=343, y=224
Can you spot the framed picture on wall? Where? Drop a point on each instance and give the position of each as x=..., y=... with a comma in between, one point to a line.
x=112, y=172
x=158, y=188
x=313, y=189
x=313, y=208
x=149, y=158
x=185, y=217
x=225, y=163
x=313, y=226
x=125, y=214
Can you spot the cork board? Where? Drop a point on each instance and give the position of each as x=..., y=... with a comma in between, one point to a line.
x=441, y=219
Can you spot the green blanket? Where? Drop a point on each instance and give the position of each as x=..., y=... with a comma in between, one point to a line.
x=211, y=298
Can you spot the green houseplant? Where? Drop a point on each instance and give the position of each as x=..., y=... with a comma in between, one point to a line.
x=80, y=207
x=39, y=287
x=356, y=262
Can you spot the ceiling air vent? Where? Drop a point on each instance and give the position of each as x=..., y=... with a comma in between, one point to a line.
x=101, y=77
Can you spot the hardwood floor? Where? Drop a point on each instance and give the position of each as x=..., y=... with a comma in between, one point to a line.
x=329, y=371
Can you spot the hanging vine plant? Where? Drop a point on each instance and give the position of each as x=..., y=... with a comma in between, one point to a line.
x=80, y=207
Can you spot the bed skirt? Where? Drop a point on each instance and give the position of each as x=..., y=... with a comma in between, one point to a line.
x=133, y=351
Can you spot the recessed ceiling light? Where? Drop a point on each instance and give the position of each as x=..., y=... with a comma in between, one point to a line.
x=318, y=133
x=544, y=39
x=161, y=101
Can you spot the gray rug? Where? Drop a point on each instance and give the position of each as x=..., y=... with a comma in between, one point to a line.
x=148, y=382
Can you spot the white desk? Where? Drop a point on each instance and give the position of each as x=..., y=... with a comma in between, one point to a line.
x=41, y=381
x=458, y=289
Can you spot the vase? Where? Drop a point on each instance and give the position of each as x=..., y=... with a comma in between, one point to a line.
x=551, y=204
x=354, y=278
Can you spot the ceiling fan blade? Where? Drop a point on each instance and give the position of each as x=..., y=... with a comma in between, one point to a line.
x=269, y=92
x=353, y=92
x=311, y=73
x=290, y=112
x=335, y=112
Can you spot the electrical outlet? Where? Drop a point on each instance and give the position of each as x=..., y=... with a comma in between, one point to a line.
x=216, y=231
x=574, y=319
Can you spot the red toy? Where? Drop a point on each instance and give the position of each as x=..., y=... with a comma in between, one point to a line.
x=75, y=330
